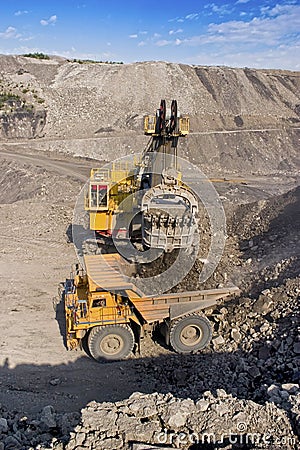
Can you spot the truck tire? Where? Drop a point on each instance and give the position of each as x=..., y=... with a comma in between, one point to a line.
x=111, y=342
x=190, y=334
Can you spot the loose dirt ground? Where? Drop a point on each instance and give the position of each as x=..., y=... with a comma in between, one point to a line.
x=38, y=193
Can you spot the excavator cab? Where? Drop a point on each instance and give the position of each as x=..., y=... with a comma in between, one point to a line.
x=98, y=195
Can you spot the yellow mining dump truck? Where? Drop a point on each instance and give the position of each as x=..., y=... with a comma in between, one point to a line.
x=111, y=315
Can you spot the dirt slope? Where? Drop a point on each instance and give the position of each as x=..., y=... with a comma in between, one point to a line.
x=241, y=119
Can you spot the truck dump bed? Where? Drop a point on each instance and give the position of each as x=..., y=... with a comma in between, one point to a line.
x=171, y=306
x=104, y=273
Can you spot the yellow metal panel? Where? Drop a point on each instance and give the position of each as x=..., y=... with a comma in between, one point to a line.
x=184, y=125
x=104, y=272
x=100, y=220
x=149, y=124
x=158, y=308
x=99, y=174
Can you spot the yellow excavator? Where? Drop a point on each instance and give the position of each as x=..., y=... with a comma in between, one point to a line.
x=147, y=200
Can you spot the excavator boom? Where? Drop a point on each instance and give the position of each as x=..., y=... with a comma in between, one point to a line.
x=164, y=208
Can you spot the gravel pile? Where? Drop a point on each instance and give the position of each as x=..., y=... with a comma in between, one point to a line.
x=241, y=392
x=214, y=421
x=18, y=431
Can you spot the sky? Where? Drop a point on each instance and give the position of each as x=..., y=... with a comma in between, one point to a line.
x=238, y=33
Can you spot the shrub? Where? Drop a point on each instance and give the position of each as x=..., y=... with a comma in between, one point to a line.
x=6, y=96
x=36, y=55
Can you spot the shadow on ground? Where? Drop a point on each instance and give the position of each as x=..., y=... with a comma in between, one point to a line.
x=70, y=387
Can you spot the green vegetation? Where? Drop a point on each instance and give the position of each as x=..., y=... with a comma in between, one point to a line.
x=7, y=97
x=13, y=102
x=91, y=61
x=18, y=98
x=36, y=55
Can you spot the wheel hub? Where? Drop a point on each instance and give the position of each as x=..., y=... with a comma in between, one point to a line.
x=111, y=344
x=191, y=335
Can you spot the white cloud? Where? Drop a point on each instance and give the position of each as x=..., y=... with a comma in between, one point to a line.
x=176, y=19
x=148, y=40
x=71, y=53
x=51, y=21
x=269, y=30
x=192, y=16
x=163, y=43
x=281, y=9
x=220, y=10
x=136, y=35
x=264, y=9
x=241, y=1
x=180, y=30
x=26, y=39
x=20, y=13
x=10, y=33
x=281, y=57
x=270, y=40
x=21, y=50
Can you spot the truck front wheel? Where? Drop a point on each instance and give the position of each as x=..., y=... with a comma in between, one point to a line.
x=190, y=334
x=110, y=343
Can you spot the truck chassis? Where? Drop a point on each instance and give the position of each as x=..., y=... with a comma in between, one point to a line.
x=107, y=311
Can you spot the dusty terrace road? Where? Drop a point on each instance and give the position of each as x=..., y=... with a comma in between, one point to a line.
x=252, y=187
x=35, y=256
x=78, y=169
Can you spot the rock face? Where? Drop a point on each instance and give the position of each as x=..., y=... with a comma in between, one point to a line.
x=241, y=119
x=157, y=419
x=22, y=124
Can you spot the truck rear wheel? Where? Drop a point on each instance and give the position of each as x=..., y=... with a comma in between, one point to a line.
x=110, y=343
x=190, y=334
